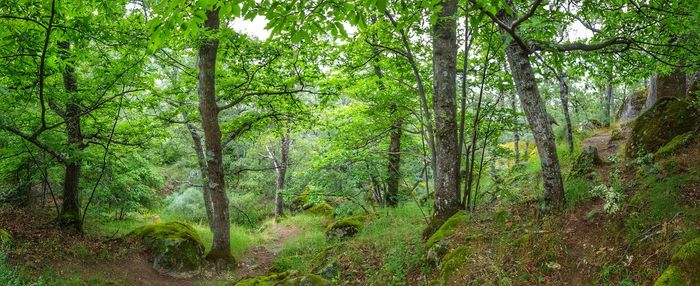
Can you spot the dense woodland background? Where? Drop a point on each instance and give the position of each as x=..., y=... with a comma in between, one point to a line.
x=364, y=142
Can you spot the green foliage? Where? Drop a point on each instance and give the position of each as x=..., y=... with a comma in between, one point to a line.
x=10, y=276
x=186, y=205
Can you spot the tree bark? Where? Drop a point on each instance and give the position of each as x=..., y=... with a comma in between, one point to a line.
x=516, y=133
x=525, y=82
x=444, y=82
x=608, y=103
x=564, y=97
x=392, y=192
x=394, y=153
x=69, y=217
x=202, y=163
x=209, y=111
x=281, y=168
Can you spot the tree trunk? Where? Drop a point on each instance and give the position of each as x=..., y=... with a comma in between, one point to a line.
x=202, y=163
x=564, y=97
x=394, y=153
x=608, y=103
x=281, y=168
x=525, y=82
x=444, y=82
x=392, y=192
x=516, y=133
x=209, y=111
x=69, y=217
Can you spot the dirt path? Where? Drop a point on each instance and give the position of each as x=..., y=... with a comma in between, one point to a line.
x=585, y=233
x=259, y=259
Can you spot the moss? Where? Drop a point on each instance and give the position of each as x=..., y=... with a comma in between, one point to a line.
x=177, y=249
x=448, y=228
x=289, y=278
x=322, y=209
x=5, y=238
x=452, y=262
x=616, y=135
x=325, y=265
x=685, y=266
x=584, y=163
x=677, y=143
x=666, y=119
x=345, y=227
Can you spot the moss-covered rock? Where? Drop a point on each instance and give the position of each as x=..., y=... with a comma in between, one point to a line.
x=345, y=227
x=437, y=252
x=616, y=135
x=685, y=267
x=322, y=209
x=325, y=265
x=447, y=228
x=289, y=278
x=677, y=143
x=632, y=105
x=301, y=202
x=176, y=248
x=452, y=262
x=5, y=238
x=666, y=119
x=584, y=163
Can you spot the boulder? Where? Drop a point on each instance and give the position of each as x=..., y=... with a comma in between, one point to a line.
x=288, y=278
x=447, y=228
x=668, y=118
x=685, y=267
x=345, y=227
x=632, y=105
x=322, y=209
x=677, y=143
x=326, y=266
x=175, y=247
x=584, y=163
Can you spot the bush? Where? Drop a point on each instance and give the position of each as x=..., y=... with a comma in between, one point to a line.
x=186, y=205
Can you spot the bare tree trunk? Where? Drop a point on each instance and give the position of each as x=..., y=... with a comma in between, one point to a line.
x=202, y=163
x=209, y=111
x=608, y=103
x=564, y=97
x=69, y=217
x=281, y=168
x=516, y=133
x=394, y=153
x=444, y=82
x=526, y=84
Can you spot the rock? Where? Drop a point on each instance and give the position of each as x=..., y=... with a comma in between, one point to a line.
x=301, y=202
x=326, y=266
x=632, y=105
x=616, y=135
x=668, y=118
x=685, y=267
x=677, y=143
x=288, y=278
x=437, y=252
x=176, y=248
x=5, y=238
x=447, y=228
x=345, y=227
x=322, y=209
x=584, y=163
x=452, y=262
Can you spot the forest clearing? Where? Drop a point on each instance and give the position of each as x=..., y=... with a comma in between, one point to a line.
x=360, y=142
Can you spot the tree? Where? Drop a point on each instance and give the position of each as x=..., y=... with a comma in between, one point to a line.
x=445, y=109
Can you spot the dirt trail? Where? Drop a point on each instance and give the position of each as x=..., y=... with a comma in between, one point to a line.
x=259, y=259
x=585, y=233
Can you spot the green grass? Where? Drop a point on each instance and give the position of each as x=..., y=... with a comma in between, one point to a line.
x=298, y=253
x=241, y=238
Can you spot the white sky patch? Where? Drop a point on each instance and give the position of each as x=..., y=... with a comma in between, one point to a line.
x=254, y=28
x=577, y=31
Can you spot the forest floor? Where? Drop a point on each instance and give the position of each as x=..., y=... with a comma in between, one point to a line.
x=259, y=259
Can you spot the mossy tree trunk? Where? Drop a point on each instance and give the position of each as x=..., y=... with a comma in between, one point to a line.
x=444, y=41
x=209, y=111
x=537, y=117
